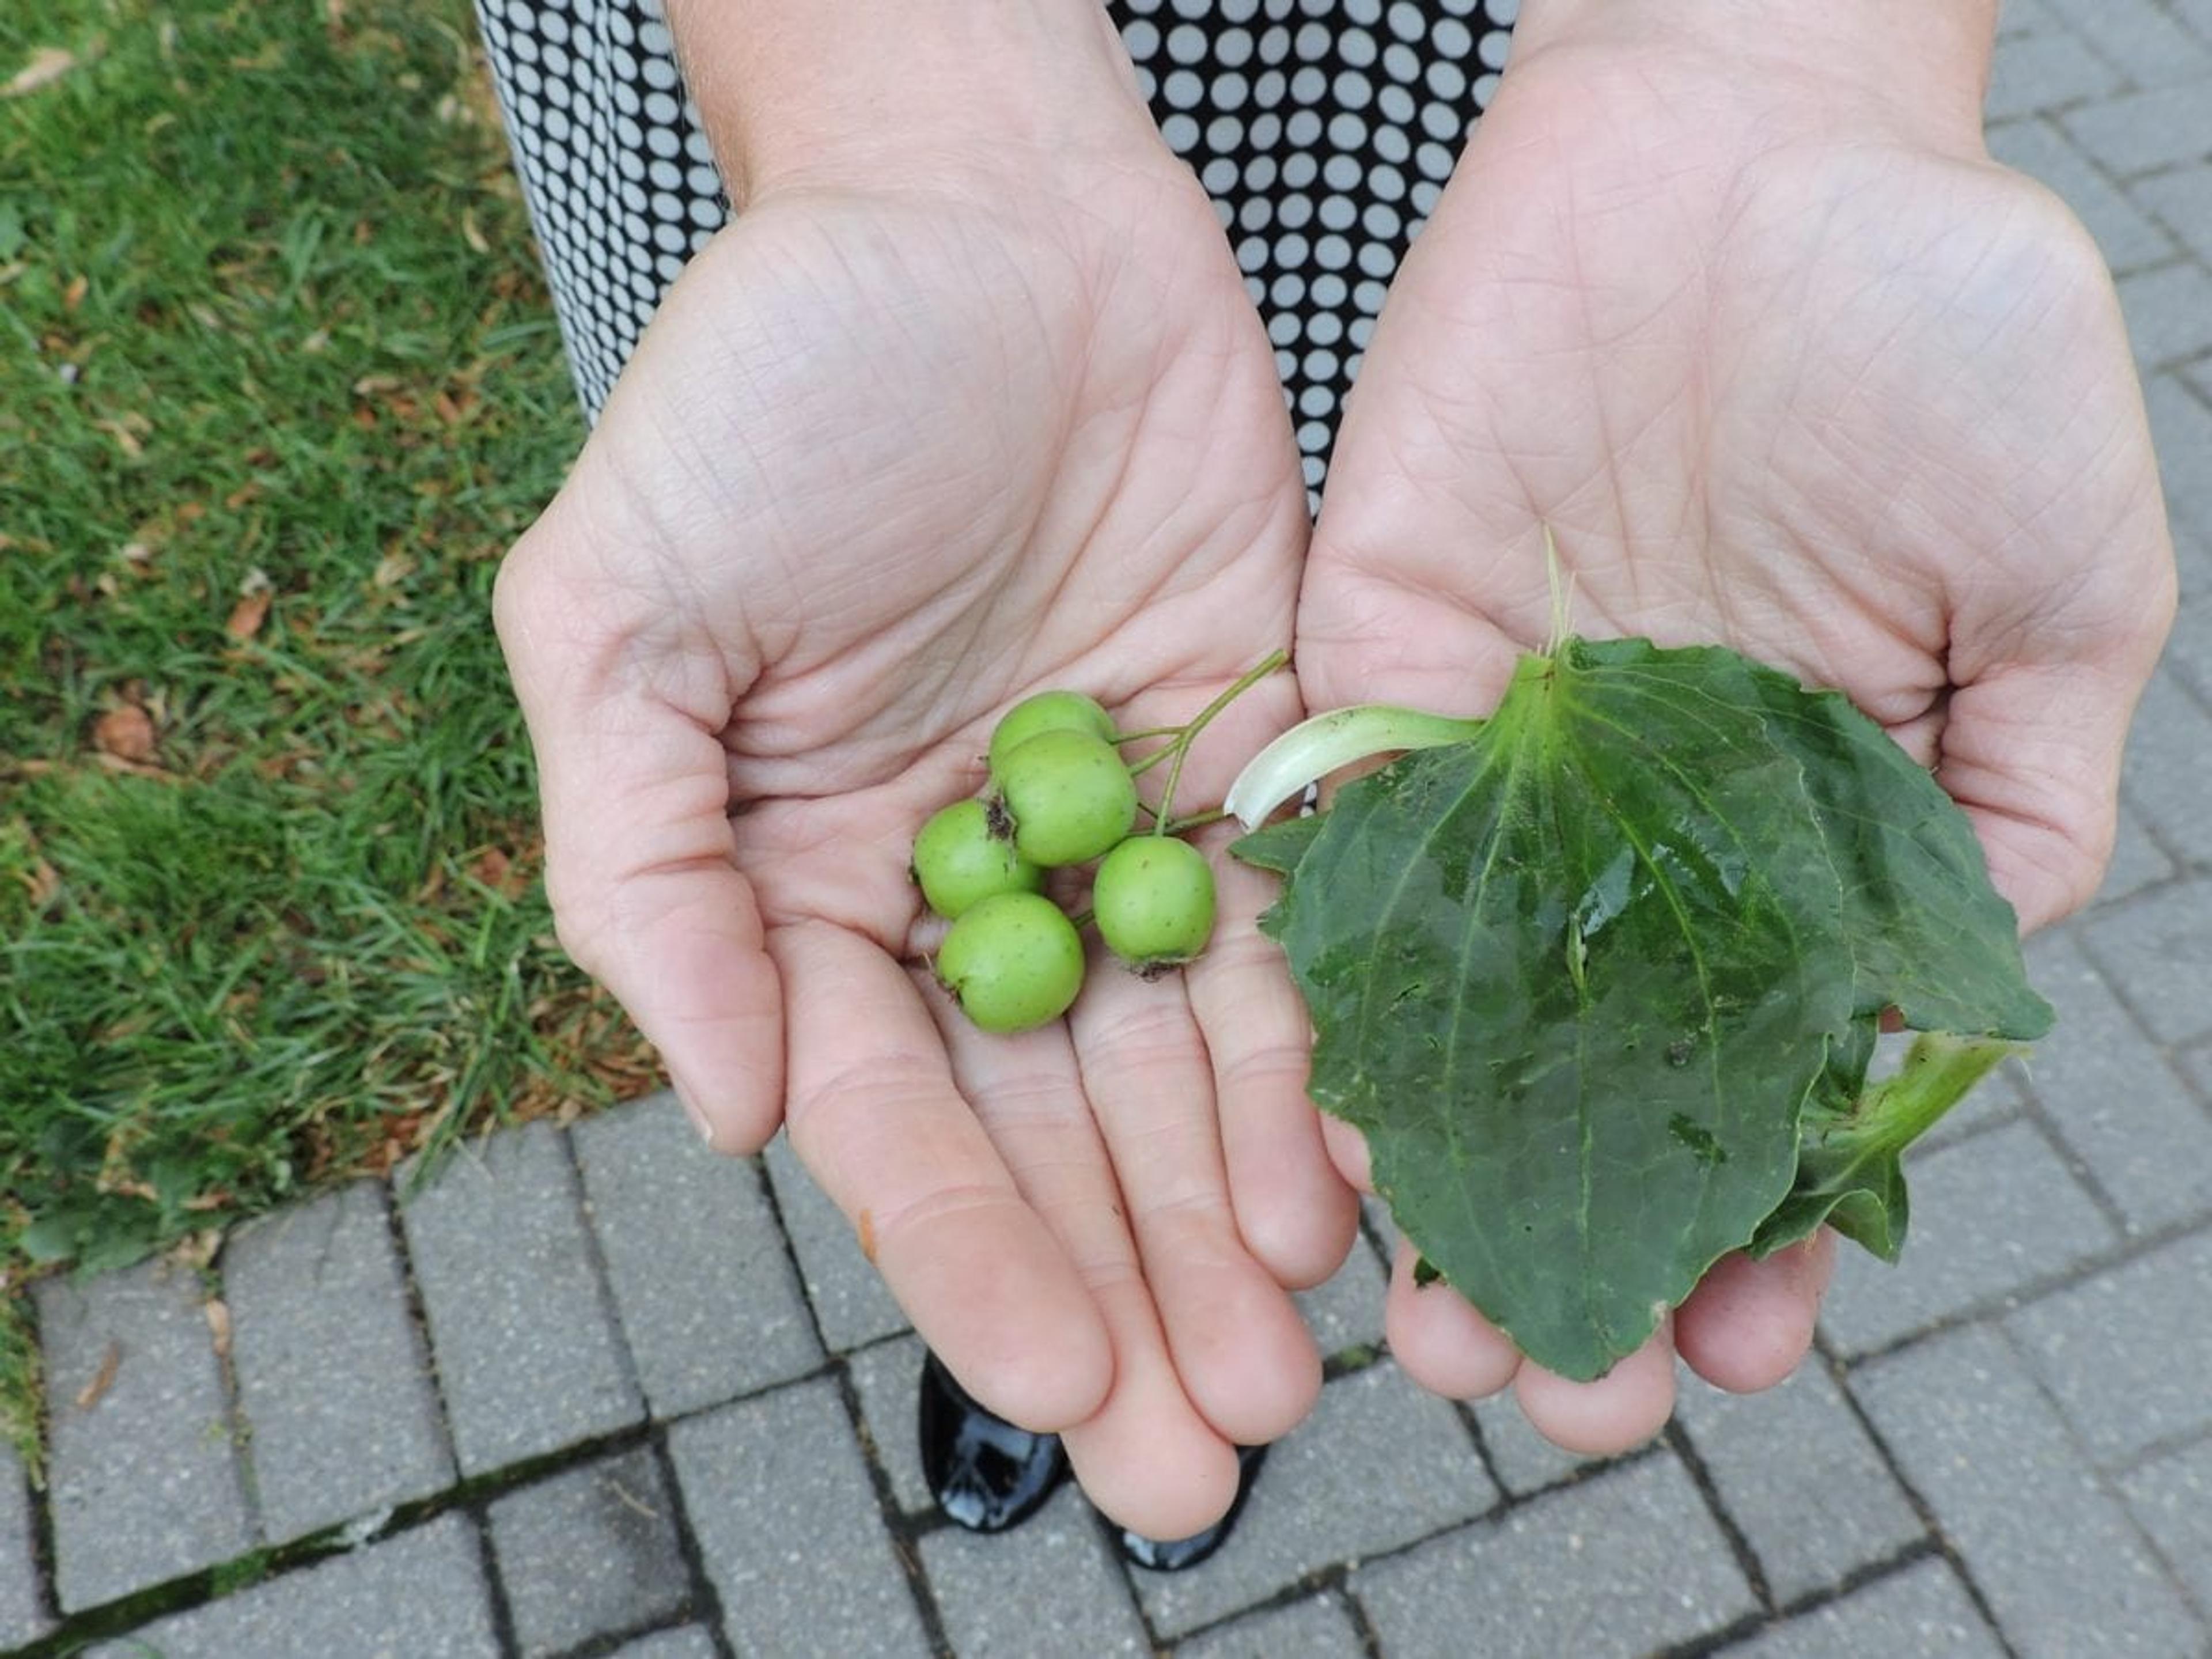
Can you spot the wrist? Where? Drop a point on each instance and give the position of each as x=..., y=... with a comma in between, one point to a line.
x=1912, y=67
x=876, y=92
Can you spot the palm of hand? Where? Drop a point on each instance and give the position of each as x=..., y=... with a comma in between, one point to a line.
x=879, y=468
x=1856, y=407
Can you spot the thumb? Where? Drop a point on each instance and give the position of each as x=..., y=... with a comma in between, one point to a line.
x=2032, y=752
x=639, y=855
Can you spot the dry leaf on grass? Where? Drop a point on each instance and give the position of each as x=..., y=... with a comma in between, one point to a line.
x=47, y=64
x=126, y=732
x=43, y=881
x=247, y=616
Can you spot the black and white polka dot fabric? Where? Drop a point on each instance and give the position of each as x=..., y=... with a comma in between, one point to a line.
x=1324, y=130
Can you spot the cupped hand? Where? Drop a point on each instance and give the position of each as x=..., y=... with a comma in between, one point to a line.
x=1782, y=366
x=889, y=458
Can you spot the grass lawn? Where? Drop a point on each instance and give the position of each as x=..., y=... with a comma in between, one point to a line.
x=278, y=384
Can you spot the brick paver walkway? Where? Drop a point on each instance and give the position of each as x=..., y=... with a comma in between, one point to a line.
x=596, y=1393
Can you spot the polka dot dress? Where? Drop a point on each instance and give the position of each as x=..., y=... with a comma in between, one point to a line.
x=1324, y=130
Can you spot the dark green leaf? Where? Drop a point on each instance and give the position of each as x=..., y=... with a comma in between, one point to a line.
x=1278, y=847
x=1849, y=1171
x=1931, y=936
x=1574, y=979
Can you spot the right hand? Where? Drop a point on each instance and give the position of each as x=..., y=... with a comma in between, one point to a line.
x=898, y=449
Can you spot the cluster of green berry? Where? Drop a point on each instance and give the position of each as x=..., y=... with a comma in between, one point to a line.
x=1060, y=796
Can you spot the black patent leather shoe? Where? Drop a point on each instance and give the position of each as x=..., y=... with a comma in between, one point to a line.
x=985, y=1473
x=1173, y=1555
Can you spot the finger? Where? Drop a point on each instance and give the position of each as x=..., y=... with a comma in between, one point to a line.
x=1617, y=1412
x=2033, y=754
x=1147, y=1456
x=1294, y=1211
x=1749, y=1323
x=877, y=1117
x=1347, y=1152
x=1245, y=1356
x=638, y=862
x=1439, y=1338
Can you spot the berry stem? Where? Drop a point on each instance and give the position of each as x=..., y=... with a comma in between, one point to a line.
x=1312, y=749
x=1180, y=747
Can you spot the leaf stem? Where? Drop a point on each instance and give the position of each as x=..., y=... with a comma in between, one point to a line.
x=1562, y=596
x=1180, y=747
x=1328, y=743
x=1938, y=1070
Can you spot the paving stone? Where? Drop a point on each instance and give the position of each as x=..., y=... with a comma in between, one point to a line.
x=1923, y=1611
x=2160, y=128
x=2141, y=1332
x=2143, y=40
x=2164, y=774
x=2159, y=953
x=688, y=1641
x=590, y=1552
x=1380, y=1463
x=2054, y=1554
x=2171, y=1497
x=851, y=1304
x=788, y=1527
x=1991, y=1216
x=2113, y=1099
x=702, y=1283
x=1626, y=1562
x=2022, y=17
x=2124, y=234
x=2188, y=650
x=885, y=1377
x=2168, y=310
x=1317, y=1628
x=2196, y=14
x=418, y=1595
x=2193, y=566
x=2042, y=71
x=2138, y=861
x=1376, y=1221
x=1345, y=1312
x=2182, y=199
x=2197, y=1066
x=143, y=1484
x=2181, y=432
x=526, y=1347
x=1523, y=1459
x=23, y=1610
x=333, y=1383
x=1797, y=1473
x=1052, y=1586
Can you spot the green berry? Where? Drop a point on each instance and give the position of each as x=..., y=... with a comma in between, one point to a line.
x=957, y=860
x=1013, y=961
x=1152, y=901
x=1047, y=711
x=1068, y=796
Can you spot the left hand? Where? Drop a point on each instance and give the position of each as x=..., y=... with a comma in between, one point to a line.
x=1783, y=360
